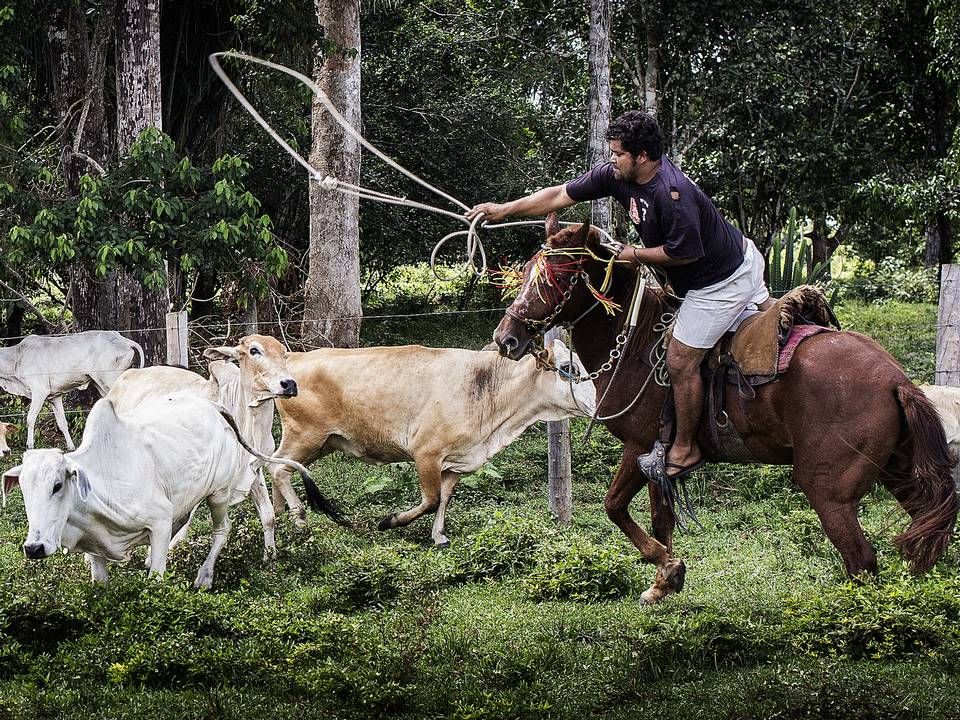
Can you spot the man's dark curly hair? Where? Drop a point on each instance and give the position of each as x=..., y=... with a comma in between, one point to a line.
x=637, y=132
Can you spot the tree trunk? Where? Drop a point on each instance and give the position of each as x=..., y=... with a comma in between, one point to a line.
x=821, y=245
x=651, y=25
x=332, y=310
x=14, y=324
x=599, y=62
x=79, y=70
x=140, y=310
x=938, y=242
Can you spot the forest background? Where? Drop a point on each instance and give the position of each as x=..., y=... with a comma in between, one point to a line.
x=132, y=182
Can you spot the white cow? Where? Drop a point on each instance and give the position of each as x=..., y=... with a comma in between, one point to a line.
x=41, y=367
x=246, y=391
x=448, y=410
x=947, y=402
x=5, y=429
x=134, y=480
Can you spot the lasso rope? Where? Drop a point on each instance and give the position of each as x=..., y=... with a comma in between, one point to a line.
x=329, y=183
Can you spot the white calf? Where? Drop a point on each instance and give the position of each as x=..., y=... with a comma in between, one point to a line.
x=41, y=367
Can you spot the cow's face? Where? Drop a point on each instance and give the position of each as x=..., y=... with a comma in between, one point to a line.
x=577, y=398
x=50, y=483
x=5, y=429
x=263, y=366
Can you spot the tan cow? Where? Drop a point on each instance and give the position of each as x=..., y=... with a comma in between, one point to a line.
x=5, y=429
x=447, y=410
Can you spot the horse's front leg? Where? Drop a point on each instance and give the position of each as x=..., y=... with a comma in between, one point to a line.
x=626, y=484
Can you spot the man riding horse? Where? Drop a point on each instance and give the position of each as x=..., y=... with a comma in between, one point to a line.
x=716, y=271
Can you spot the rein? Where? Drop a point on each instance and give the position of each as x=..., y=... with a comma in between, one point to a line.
x=538, y=327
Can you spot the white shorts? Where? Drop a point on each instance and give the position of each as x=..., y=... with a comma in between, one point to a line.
x=706, y=314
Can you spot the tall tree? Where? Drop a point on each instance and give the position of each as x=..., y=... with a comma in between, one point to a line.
x=139, y=107
x=79, y=63
x=599, y=62
x=332, y=308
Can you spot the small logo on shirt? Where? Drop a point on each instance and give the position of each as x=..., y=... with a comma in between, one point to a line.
x=635, y=213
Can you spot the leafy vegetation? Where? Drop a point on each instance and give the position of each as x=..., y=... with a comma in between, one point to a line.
x=518, y=618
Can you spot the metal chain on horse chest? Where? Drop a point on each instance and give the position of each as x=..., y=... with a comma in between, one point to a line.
x=615, y=355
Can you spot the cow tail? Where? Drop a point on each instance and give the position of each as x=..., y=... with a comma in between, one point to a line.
x=136, y=346
x=318, y=501
x=928, y=493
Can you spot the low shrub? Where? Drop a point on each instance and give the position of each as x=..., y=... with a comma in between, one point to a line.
x=583, y=571
x=891, y=279
x=506, y=545
x=896, y=617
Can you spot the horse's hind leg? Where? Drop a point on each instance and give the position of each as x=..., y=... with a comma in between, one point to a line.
x=626, y=484
x=834, y=489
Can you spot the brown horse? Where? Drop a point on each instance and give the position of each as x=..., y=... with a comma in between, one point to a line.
x=844, y=414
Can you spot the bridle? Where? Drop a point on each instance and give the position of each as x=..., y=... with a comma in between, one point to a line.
x=537, y=328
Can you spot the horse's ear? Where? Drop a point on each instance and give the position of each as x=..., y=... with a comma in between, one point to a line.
x=552, y=225
x=582, y=236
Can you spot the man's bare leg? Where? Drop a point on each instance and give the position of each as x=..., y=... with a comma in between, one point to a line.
x=683, y=362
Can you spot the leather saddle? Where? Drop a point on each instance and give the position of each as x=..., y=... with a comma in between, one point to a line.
x=756, y=354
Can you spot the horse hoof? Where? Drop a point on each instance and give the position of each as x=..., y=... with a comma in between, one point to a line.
x=651, y=596
x=676, y=575
x=386, y=523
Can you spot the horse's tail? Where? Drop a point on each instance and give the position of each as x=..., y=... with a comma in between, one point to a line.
x=927, y=493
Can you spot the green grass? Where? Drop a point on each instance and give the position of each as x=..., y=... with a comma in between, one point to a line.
x=519, y=618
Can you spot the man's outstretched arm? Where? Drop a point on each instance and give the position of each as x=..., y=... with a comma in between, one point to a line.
x=541, y=202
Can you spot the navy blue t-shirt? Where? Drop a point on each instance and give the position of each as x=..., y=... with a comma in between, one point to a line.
x=687, y=226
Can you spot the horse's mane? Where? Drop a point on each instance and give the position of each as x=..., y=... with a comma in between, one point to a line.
x=654, y=305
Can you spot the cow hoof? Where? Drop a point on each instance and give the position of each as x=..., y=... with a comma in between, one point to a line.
x=270, y=555
x=442, y=545
x=299, y=517
x=203, y=582
x=386, y=523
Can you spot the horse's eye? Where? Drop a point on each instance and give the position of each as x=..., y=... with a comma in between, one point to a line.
x=57, y=487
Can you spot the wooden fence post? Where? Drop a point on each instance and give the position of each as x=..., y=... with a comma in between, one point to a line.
x=948, y=328
x=177, y=342
x=559, y=484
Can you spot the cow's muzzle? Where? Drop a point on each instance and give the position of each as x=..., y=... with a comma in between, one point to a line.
x=36, y=551
x=289, y=387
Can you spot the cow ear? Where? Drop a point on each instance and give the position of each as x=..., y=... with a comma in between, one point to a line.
x=552, y=225
x=221, y=353
x=552, y=352
x=11, y=478
x=12, y=429
x=560, y=352
x=83, y=483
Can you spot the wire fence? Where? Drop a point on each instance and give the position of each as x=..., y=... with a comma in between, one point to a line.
x=211, y=333
x=208, y=332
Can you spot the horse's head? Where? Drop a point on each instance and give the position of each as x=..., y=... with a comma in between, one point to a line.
x=555, y=285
